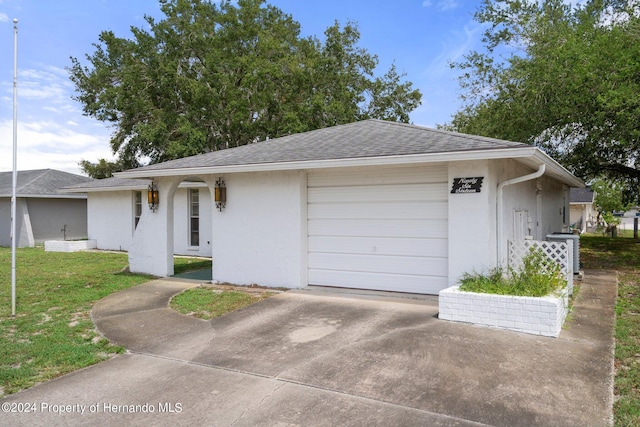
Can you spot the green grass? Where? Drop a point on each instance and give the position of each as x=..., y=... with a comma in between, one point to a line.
x=52, y=333
x=209, y=302
x=183, y=264
x=622, y=254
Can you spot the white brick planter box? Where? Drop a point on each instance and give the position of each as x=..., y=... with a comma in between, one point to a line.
x=69, y=245
x=532, y=315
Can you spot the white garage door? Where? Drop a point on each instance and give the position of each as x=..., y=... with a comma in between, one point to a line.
x=382, y=229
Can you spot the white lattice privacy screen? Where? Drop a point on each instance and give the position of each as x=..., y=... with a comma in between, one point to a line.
x=560, y=252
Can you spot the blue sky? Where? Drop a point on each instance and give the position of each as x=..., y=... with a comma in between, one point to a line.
x=420, y=36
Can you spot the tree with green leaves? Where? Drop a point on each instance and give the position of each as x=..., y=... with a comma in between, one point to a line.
x=566, y=79
x=609, y=198
x=104, y=168
x=212, y=75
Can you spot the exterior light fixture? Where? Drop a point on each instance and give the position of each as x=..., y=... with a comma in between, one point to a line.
x=153, y=197
x=220, y=194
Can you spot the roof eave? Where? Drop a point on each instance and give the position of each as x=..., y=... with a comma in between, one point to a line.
x=558, y=171
x=140, y=187
x=330, y=163
x=101, y=189
x=47, y=196
x=534, y=154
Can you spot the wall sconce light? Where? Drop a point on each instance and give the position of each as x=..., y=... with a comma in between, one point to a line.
x=153, y=197
x=220, y=194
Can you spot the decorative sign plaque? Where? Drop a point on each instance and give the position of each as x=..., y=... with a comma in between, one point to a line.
x=466, y=185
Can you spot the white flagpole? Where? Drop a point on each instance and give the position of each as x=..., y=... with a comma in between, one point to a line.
x=15, y=170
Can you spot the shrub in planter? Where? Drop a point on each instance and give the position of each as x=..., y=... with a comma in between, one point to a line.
x=533, y=299
x=539, y=276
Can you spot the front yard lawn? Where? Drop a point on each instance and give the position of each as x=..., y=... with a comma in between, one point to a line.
x=622, y=254
x=52, y=333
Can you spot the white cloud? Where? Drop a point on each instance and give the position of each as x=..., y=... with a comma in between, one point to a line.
x=438, y=82
x=442, y=5
x=47, y=144
x=448, y=5
x=43, y=84
x=42, y=94
x=4, y=17
x=52, y=132
x=574, y=3
x=454, y=47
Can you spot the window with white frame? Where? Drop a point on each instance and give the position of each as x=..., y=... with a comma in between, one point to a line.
x=137, y=207
x=194, y=217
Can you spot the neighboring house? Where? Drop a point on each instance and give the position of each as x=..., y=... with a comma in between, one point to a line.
x=583, y=213
x=370, y=205
x=42, y=211
x=628, y=218
x=114, y=207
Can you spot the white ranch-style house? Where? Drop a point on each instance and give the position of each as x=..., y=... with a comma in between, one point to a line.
x=368, y=205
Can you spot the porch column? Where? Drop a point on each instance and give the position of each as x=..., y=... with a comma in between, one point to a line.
x=210, y=180
x=151, y=249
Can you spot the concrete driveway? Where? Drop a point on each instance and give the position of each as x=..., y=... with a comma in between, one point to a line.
x=329, y=358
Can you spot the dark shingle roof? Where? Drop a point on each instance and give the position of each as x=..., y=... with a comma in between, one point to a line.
x=108, y=184
x=368, y=138
x=39, y=183
x=581, y=195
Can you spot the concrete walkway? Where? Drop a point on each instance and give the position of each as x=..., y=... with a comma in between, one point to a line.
x=322, y=358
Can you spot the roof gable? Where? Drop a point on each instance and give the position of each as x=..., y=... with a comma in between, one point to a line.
x=364, y=143
x=581, y=195
x=368, y=138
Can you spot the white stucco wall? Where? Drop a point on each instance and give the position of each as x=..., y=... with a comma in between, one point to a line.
x=260, y=236
x=472, y=221
x=556, y=212
x=543, y=204
x=110, y=219
x=151, y=249
x=545, y=215
x=473, y=217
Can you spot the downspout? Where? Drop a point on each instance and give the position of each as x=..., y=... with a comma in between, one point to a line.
x=500, y=203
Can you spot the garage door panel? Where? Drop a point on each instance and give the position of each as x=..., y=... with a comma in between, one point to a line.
x=379, y=228
x=434, y=229
x=402, y=210
x=380, y=245
x=378, y=281
x=376, y=194
x=423, y=266
x=379, y=176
